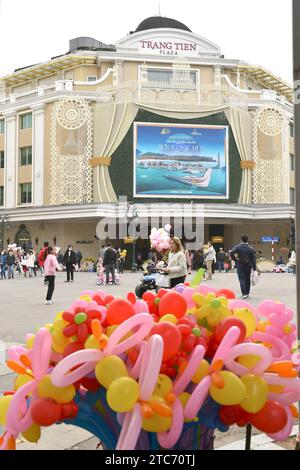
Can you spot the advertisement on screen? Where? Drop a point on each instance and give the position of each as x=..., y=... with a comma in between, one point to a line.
x=181, y=160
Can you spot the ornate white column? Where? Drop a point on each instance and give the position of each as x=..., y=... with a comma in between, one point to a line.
x=38, y=154
x=10, y=159
x=218, y=74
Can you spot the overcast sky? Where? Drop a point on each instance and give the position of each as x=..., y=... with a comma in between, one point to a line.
x=257, y=31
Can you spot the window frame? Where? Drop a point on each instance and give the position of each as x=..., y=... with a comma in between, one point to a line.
x=2, y=126
x=292, y=162
x=22, y=192
x=22, y=119
x=292, y=196
x=94, y=77
x=167, y=69
x=27, y=159
x=1, y=196
x=2, y=153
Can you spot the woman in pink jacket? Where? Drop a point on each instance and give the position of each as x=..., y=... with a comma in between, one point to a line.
x=50, y=267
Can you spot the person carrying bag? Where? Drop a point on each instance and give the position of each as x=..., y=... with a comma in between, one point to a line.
x=176, y=268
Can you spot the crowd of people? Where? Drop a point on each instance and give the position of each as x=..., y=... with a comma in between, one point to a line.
x=30, y=262
x=176, y=262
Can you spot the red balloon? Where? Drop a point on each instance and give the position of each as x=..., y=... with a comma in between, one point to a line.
x=131, y=297
x=186, y=321
x=222, y=328
x=71, y=348
x=69, y=410
x=189, y=343
x=108, y=299
x=162, y=292
x=173, y=303
x=171, y=338
x=229, y=294
x=148, y=296
x=92, y=385
x=45, y=412
x=118, y=311
x=230, y=415
x=271, y=418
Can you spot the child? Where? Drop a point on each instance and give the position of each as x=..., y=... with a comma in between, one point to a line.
x=50, y=266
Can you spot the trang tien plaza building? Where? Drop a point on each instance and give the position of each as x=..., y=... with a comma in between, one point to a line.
x=161, y=117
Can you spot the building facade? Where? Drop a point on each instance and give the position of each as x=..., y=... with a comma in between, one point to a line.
x=82, y=130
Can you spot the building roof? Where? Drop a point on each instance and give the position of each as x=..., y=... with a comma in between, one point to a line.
x=268, y=80
x=154, y=22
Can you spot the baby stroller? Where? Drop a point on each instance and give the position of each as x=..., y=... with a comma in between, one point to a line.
x=148, y=281
x=101, y=279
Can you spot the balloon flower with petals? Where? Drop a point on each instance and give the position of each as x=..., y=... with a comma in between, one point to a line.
x=160, y=238
x=164, y=371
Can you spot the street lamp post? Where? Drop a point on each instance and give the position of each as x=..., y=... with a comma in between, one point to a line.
x=135, y=216
x=4, y=222
x=132, y=218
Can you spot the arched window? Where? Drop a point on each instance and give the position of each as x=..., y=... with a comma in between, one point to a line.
x=23, y=238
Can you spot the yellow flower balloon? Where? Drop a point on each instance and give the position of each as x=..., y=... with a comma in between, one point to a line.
x=21, y=380
x=169, y=318
x=248, y=318
x=122, y=394
x=233, y=392
x=164, y=385
x=4, y=405
x=201, y=372
x=33, y=433
x=257, y=393
x=184, y=398
x=157, y=422
x=46, y=389
x=109, y=369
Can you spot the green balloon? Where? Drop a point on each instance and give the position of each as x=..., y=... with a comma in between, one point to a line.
x=198, y=277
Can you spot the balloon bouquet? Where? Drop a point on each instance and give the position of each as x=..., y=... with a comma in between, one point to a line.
x=160, y=238
x=165, y=371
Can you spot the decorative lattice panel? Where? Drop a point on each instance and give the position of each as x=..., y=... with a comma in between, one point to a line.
x=270, y=183
x=71, y=173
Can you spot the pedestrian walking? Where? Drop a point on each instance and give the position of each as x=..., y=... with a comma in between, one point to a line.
x=11, y=259
x=41, y=259
x=177, y=268
x=188, y=258
x=198, y=259
x=50, y=266
x=78, y=255
x=244, y=257
x=109, y=263
x=3, y=264
x=30, y=262
x=221, y=259
x=70, y=261
x=210, y=256
x=292, y=261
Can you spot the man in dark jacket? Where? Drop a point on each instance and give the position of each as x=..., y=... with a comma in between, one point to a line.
x=244, y=256
x=11, y=259
x=221, y=259
x=70, y=261
x=109, y=263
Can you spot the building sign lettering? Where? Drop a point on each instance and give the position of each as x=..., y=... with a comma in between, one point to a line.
x=168, y=47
